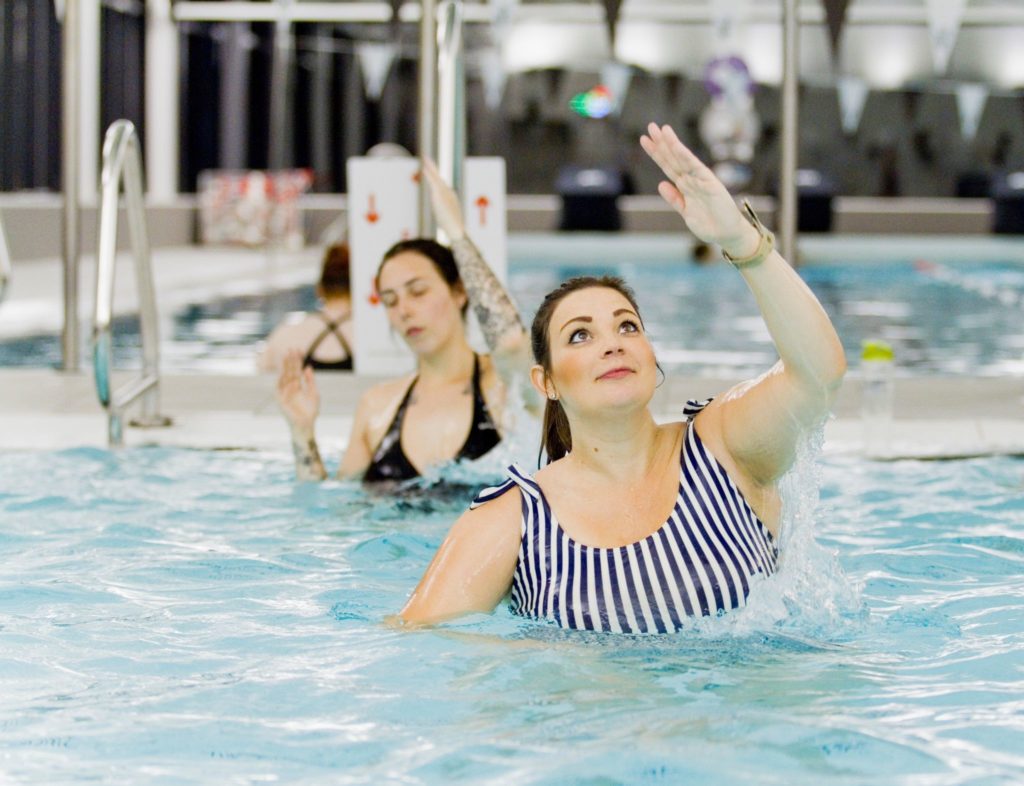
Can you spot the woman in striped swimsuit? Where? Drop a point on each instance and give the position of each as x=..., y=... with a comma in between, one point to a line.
x=635, y=526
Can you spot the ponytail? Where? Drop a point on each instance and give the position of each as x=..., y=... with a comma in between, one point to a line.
x=556, y=437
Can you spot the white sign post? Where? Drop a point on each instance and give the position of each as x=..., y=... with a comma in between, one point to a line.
x=383, y=209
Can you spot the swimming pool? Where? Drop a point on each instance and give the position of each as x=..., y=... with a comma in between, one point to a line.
x=960, y=316
x=176, y=616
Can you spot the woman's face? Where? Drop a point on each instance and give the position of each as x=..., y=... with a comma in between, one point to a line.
x=601, y=359
x=419, y=303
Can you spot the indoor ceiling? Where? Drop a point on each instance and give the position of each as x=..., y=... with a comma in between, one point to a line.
x=887, y=43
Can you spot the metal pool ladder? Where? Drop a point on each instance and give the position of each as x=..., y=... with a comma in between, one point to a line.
x=123, y=164
x=5, y=262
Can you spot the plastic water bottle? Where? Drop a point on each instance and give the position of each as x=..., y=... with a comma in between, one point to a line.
x=877, y=397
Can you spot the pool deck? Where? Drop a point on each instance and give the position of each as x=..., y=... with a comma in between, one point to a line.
x=935, y=417
x=47, y=409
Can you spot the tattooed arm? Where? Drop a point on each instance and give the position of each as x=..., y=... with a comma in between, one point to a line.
x=300, y=402
x=308, y=464
x=498, y=316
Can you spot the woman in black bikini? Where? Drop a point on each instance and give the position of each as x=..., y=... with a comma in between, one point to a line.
x=323, y=337
x=451, y=409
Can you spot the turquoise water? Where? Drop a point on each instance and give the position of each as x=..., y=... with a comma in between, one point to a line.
x=173, y=617
x=954, y=318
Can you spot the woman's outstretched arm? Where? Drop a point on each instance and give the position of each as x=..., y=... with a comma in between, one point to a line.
x=472, y=570
x=498, y=316
x=299, y=400
x=761, y=420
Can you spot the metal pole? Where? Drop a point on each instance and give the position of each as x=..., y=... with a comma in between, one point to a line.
x=70, y=181
x=5, y=261
x=451, y=106
x=785, y=222
x=162, y=89
x=427, y=108
x=279, y=154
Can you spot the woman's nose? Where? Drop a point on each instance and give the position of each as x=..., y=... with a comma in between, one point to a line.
x=613, y=347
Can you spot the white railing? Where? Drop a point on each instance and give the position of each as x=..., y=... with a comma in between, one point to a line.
x=123, y=164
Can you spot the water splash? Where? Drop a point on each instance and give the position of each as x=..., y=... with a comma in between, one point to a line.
x=809, y=595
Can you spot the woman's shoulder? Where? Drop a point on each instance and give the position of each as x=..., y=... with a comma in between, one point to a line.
x=556, y=473
x=295, y=326
x=385, y=394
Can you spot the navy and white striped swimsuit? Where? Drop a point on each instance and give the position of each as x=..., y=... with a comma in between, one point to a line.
x=700, y=562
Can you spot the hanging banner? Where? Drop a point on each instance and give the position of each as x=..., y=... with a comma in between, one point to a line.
x=493, y=75
x=616, y=77
x=375, y=59
x=944, y=18
x=502, y=14
x=396, y=18
x=835, y=17
x=611, y=18
x=853, y=93
x=726, y=21
x=970, y=103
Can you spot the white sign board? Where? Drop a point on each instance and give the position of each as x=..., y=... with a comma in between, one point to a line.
x=383, y=208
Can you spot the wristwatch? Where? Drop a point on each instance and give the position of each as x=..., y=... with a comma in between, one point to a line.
x=765, y=245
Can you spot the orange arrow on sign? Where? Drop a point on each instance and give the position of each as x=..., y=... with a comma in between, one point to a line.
x=372, y=215
x=483, y=202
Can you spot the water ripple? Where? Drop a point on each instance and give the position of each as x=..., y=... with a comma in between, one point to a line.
x=180, y=616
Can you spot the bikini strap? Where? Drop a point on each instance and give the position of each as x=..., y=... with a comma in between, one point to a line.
x=331, y=327
x=479, y=404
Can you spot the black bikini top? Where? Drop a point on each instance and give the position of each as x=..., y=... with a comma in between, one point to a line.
x=391, y=463
x=345, y=364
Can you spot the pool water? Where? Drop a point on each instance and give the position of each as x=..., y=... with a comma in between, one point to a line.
x=940, y=319
x=174, y=617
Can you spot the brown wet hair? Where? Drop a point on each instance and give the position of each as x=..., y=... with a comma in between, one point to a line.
x=335, y=273
x=556, y=437
x=440, y=255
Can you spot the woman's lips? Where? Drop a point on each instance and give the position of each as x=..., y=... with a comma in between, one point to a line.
x=413, y=332
x=616, y=373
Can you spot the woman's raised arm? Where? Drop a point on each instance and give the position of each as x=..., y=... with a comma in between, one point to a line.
x=299, y=400
x=759, y=421
x=498, y=316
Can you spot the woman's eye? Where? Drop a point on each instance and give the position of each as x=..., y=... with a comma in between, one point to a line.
x=418, y=292
x=629, y=326
x=578, y=336
x=389, y=301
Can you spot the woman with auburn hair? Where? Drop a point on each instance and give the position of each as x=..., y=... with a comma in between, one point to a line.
x=452, y=407
x=323, y=337
x=635, y=526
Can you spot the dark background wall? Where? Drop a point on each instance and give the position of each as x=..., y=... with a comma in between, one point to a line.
x=908, y=142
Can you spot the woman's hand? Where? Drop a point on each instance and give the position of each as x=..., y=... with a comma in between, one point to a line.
x=447, y=208
x=697, y=195
x=297, y=394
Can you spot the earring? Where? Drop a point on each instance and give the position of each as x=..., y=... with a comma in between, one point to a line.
x=553, y=396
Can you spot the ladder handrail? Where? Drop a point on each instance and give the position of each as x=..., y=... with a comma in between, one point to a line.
x=122, y=163
x=5, y=261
